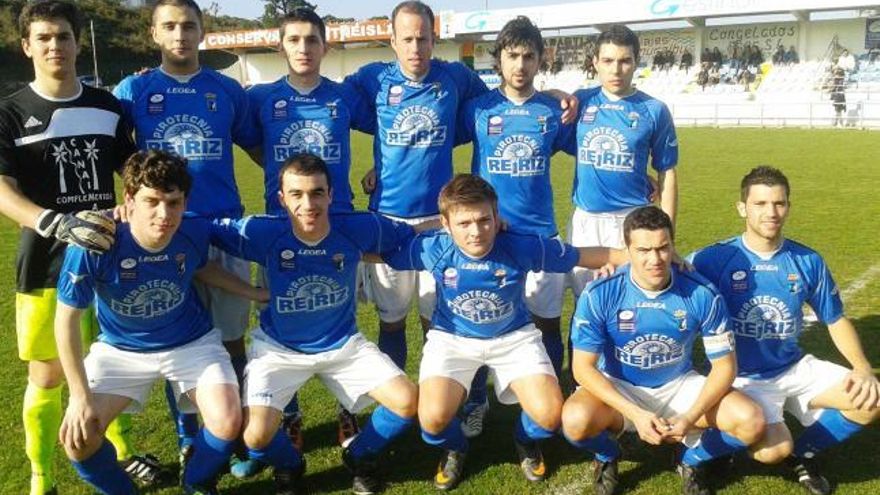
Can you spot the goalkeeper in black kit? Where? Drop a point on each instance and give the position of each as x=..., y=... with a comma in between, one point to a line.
x=60, y=143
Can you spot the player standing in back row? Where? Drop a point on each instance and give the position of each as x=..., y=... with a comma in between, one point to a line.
x=197, y=113
x=619, y=128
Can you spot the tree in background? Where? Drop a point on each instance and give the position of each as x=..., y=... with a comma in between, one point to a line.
x=276, y=9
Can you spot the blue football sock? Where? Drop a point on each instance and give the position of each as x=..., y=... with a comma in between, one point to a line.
x=714, y=443
x=279, y=453
x=830, y=429
x=239, y=363
x=381, y=429
x=292, y=407
x=479, y=390
x=103, y=472
x=187, y=425
x=603, y=446
x=553, y=344
x=527, y=431
x=394, y=345
x=210, y=455
x=452, y=438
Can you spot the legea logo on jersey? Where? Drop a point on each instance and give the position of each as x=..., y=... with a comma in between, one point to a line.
x=764, y=317
x=416, y=126
x=606, y=149
x=650, y=352
x=149, y=300
x=517, y=156
x=308, y=136
x=189, y=136
x=311, y=293
x=481, y=307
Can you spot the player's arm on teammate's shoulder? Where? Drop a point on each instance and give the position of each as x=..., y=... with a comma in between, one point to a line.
x=567, y=102
x=587, y=374
x=861, y=385
x=668, y=186
x=81, y=418
x=215, y=275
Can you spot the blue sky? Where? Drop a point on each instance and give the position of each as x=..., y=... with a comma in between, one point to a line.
x=251, y=9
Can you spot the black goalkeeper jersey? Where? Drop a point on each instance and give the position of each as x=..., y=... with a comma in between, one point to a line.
x=62, y=153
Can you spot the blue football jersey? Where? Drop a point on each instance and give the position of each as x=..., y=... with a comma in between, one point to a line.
x=647, y=338
x=614, y=141
x=287, y=122
x=199, y=120
x=145, y=300
x=765, y=297
x=482, y=298
x=513, y=144
x=415, y=132
x=312, y=286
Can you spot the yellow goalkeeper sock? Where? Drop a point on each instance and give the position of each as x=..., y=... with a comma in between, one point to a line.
x=41, y=414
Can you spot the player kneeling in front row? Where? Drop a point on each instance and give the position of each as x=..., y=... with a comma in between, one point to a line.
x=633, y=335
x=152, y=326
x=766, y=279
x=308, y=328
x=481, y=319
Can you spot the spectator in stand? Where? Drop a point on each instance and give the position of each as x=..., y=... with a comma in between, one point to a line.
x=847, y=62
x=745, y=78
x=703, y=75
x=706, y=56
x=714, y=75
x=779, y=55
x=791, y=56
x=756, y=58
x=717, y=58
x=658, y=60
x=838, y=97
x=735, y=52
x=687, y=60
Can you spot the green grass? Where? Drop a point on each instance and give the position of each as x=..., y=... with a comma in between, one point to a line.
x=834, y=178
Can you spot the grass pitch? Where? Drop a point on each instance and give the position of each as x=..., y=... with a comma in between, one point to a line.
x=835, y=210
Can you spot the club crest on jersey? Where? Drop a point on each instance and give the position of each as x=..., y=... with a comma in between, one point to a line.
x=180, y=259
x=680, y=315
x=590, y=114
x=311, y=293
x=190, y=136
x=650, y=351
x=542, y=124
x=279, y=110
x=211, y=102
x=764, y=317
x=633, y=119
x=496, y=125
x=605, y=148
x=286, y=259
x=501, y=277
x=626, y=320
x=480, y=307
x=332, y=109
x=416, y=126
x=739, y=281
x=339, y=261
x=395, y=95
x=450, y=278
x=156, y=103
x=437, y=89
x=308, y=136
x=517, y=156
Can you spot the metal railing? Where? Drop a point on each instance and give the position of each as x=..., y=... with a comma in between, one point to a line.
x=863, y=114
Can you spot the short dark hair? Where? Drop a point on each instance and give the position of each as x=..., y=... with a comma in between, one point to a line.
x=303, y=164
x=156, y=169
x=414, y=7
x=620, y=35
x=44, y=10
x=466, y=189
x=187, y=4
x=301, y=14
x=763, y=175
x=647, y=218
x=519, y=31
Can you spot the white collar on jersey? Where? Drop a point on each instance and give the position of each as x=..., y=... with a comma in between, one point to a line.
x=181, y=78
x=613, y=97
x=412, y=77
x=653, y=294
x=79, y=91
x=764, y=255
x=517, y=101
x=311, y=243
x=303, y=90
